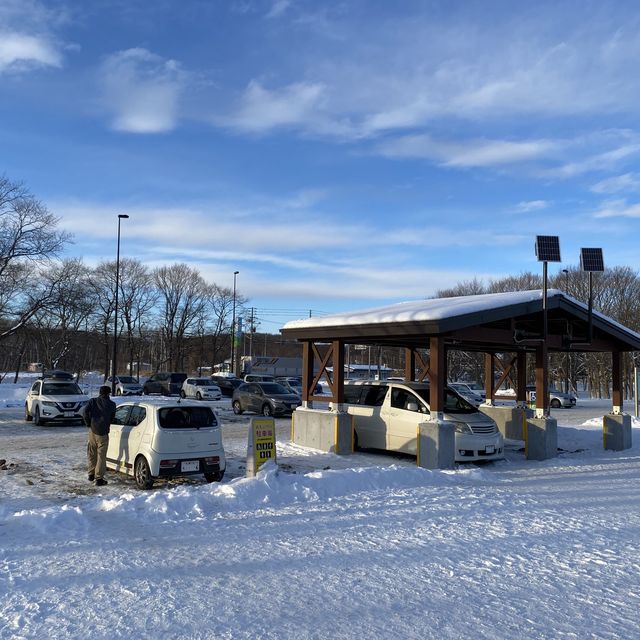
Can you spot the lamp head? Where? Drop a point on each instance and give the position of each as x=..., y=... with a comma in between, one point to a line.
x=122, y=215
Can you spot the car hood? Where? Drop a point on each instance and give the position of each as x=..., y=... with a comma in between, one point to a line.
x=476, y=418
x=284, y=397
x=68, y=398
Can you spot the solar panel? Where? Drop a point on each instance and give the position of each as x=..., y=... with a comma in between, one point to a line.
x=591, y=260
x=548, y=248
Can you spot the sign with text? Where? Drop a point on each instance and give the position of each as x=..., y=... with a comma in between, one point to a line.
x=262, y=444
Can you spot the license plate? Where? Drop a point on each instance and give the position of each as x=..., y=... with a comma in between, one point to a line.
x=190, y=465
x=489, y=449
x=68, y=414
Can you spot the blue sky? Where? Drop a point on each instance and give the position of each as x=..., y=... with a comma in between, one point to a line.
x=339, y=155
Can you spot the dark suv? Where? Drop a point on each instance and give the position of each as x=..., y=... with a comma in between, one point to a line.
x=267, y=398
x=167, y=384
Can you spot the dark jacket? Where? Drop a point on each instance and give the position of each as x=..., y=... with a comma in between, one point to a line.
x=98, y=414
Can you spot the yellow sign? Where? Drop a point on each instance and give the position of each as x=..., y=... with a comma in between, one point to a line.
x=263, y=441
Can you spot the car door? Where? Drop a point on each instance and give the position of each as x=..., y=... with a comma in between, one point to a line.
x=136, y=427
x=402, y=413
x=367, y=420
x=255, y=397
x=33, y=395
x=118, y=455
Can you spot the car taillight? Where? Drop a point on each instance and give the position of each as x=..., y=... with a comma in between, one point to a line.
x=168, y=463
x=212, y=460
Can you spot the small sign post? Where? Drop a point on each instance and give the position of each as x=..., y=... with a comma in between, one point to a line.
x=262, y=444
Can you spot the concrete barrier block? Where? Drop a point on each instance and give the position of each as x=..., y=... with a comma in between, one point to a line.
x=328, y=431
x=436, y=445
x=511, y=421
x=616, y=431
x=541, y=441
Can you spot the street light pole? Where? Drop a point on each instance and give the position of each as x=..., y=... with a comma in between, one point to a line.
x=233, y=326
x=567, y=367
x=114, y=366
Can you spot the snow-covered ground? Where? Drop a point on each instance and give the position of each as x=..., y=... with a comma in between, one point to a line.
x=324, y=547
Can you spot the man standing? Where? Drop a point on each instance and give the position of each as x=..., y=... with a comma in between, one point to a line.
x=98, y=415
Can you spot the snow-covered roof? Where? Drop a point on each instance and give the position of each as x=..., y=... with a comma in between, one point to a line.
x=438, y=315
x=424, y=310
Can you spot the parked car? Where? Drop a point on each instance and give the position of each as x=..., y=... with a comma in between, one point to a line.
x=386, y=415
x=54, y=401
x=58, y=374
x=126, y=385
x=471, y=387
x=201, y=389
x=296, y=384
x=227, y=384
x=557, y=399
x=259, y=377
x=167, y=384
x=158, y=439
x=267, y=398
x=470, y=396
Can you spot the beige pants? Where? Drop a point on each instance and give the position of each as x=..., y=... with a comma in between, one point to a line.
x=97, y=454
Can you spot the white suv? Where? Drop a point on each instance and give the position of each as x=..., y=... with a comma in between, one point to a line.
x=155, y=439
x=201, y=389
x=55, y=402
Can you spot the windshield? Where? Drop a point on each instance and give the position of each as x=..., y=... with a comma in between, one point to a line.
x=186, y=417
x=453, y=403
x=61, y=389
x=274, y=388
x=202, y=382
x=127, y=379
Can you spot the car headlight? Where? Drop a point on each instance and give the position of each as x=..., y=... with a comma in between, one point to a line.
x=46, y=403
x=462, y=427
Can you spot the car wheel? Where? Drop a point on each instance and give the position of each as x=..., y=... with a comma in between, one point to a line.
x=237, y=407
x=37, y=420
x=27, y=416
x=145, y=391
x=267, y=410
x=183, y=395
x=214, y=477
x=142, y=473
x=555, y=403
x=198, y=396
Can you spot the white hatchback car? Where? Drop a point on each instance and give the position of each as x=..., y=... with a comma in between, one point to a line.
x=54, y=401
x=201, y=389
x=155, y=439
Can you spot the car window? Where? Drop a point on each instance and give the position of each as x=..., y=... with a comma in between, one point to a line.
x=36, y=387
x=127, y=379
x=64, y=389
x=122, y=414
x=453, y=403
x=352, y=394
x=201, y=383
x=178, y=377
x=138, y=414
x=186, y=417
x=273, y=387
x=375, y=396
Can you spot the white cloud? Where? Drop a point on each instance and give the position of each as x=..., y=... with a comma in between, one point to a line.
x=626, y=182
x=472, y=153
x=143, y=90
x=618, y=209
x=278, y=8
x=530, y=205
x=262, y=109
x=20, y=51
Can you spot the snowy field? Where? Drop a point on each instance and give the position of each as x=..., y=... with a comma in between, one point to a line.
x=362, y=546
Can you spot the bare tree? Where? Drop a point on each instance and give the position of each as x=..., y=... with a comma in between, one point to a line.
x=28, y=236
x=183, y=296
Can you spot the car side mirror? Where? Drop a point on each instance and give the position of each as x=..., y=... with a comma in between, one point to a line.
x=412, y=406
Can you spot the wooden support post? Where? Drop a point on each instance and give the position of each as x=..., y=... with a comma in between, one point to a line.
x=542, y=381
x=521, y=380
x=338, y=371
x=616, y=380
x=438, y=372
x=307, y=371
x=409, y=365
x=489, y=375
